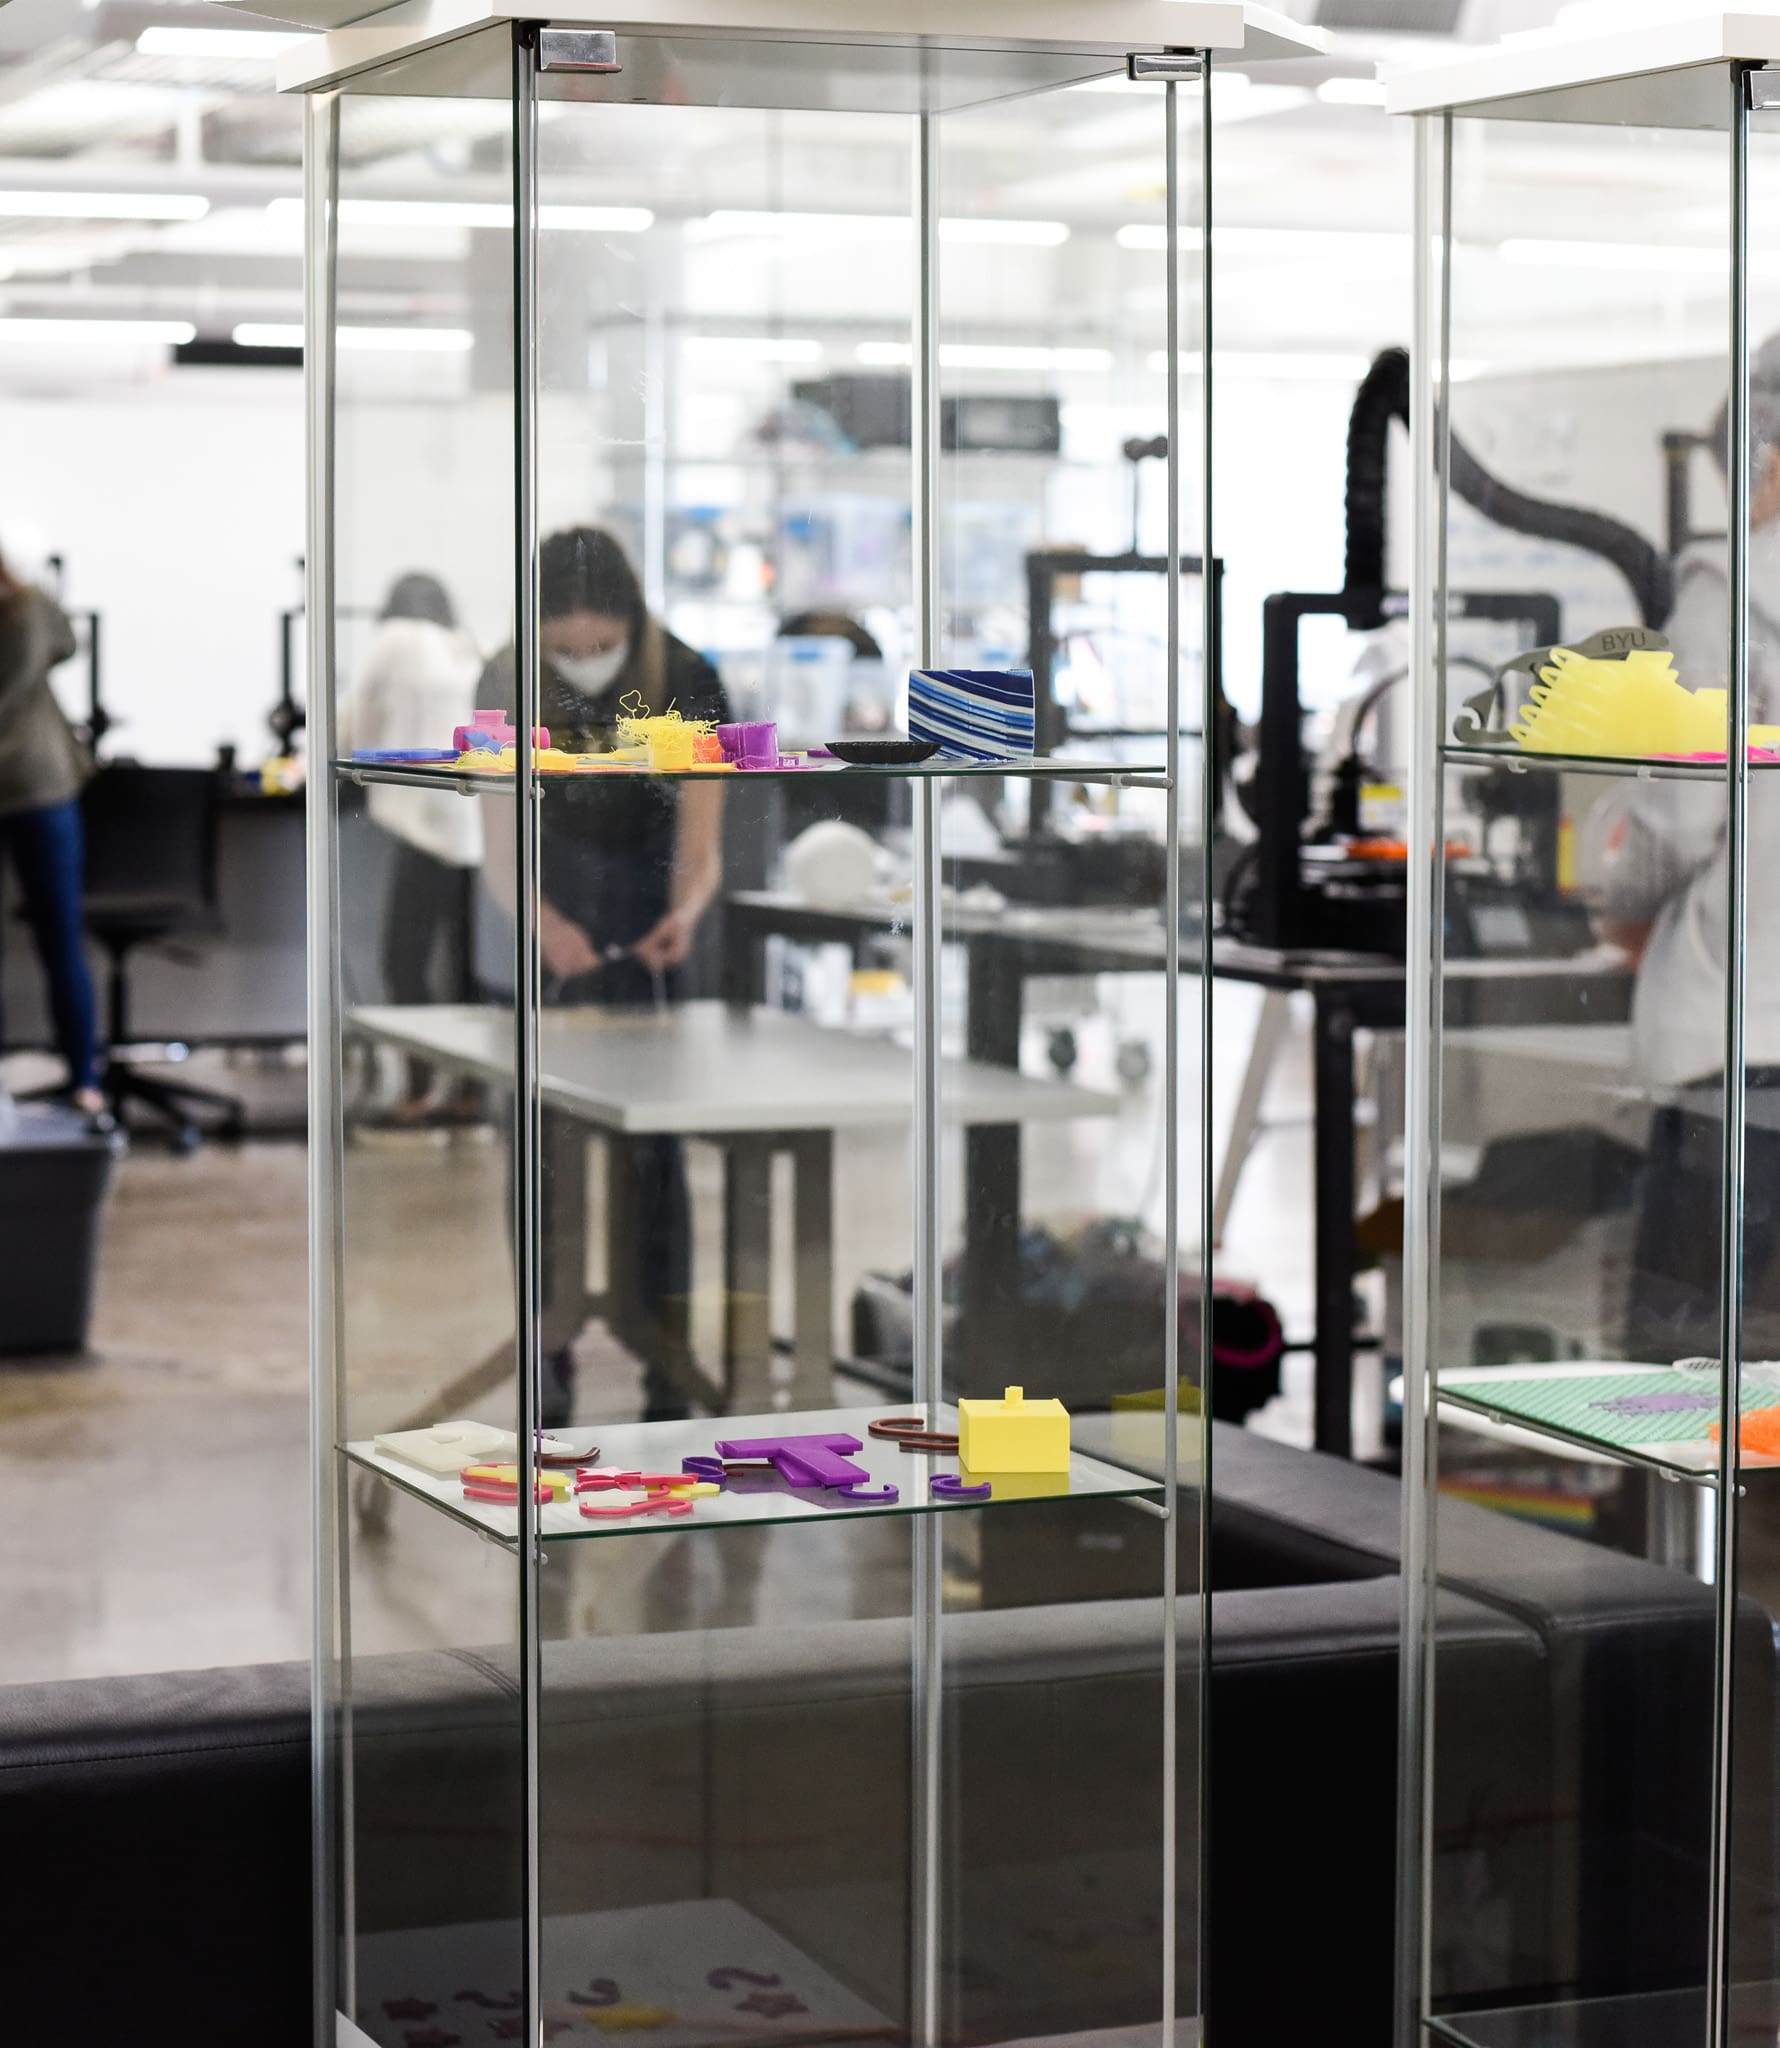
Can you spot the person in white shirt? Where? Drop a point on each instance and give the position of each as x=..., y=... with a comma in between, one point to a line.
x=1655, y=858
x=417, y=683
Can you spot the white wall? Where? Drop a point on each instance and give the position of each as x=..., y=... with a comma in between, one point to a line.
x=178, y=504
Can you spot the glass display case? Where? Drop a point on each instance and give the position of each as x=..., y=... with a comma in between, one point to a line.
x=1589, y=1803
x=747, y=1011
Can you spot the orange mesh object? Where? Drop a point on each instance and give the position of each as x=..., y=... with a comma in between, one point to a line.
x=1760, y=1432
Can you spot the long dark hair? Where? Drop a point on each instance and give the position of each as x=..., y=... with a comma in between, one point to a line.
x=419, y=596
x=583, y=569
x=13, y=592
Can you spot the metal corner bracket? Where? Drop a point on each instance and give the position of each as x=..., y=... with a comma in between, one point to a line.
x=1169, y=66
x=1762, y=84
x=578, y=49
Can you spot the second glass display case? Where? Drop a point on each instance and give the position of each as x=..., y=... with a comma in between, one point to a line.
x=1590, y=1840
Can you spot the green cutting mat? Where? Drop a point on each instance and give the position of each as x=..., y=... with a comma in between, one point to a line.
x=1572, y=1402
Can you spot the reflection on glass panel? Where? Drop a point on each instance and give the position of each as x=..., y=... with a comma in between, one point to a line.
x=1754, y=1797
x=430, y=1772
x=429, y=1778
x=1585, y=903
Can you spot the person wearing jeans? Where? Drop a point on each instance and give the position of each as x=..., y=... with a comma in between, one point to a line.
x=43, y=768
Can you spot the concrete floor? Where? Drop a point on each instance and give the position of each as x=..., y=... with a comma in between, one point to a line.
x=154, y=1501
x=153, y=1495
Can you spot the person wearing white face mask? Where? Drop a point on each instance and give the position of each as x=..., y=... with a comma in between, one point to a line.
x=630, y=864
x=1655, y=859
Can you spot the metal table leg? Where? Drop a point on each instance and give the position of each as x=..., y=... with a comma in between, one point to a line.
x=989, y=1291
x=1245, y=1124
x=1333, y=1148
x=747, y=1275
x=812, y=1348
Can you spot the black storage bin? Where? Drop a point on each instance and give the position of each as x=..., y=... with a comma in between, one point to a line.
x=54, y=1173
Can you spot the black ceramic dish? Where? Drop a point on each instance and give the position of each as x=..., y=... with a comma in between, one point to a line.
x=882, y=753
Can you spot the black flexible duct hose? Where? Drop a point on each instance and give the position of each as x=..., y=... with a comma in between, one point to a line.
x=1384, y=396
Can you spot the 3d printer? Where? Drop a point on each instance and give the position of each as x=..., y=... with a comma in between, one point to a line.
x=1313, y=877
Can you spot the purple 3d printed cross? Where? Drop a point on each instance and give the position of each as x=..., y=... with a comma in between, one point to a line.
x=801, y=1460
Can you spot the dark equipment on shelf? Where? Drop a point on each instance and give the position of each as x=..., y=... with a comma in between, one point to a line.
x=874, y=411
x=151, y=837
x=1680, y=446
x=1114, y=871
x=287, y=717
x=1297, y=886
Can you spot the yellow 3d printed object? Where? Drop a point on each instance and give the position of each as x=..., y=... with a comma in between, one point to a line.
x=1625, y=708
x=554, y=1483
x=1013, y=1434
x=1631, y=708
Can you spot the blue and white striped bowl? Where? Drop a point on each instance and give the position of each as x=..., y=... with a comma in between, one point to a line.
x=973, y=714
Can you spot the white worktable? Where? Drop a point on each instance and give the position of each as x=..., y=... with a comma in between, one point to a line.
x=705, y=1069
x=754, y=1082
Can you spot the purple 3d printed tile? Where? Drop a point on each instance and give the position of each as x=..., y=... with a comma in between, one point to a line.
x=801, y=1460
x=1658, y=1404
x=870, y=1493
x=949, y=1486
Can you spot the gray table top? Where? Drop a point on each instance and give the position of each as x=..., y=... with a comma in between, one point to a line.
x=1135, y=937
x=707, y=1069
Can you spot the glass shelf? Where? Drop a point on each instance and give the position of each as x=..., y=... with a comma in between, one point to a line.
x=1647, y=1415
x=1652, y=2019
x=1049, y=767
x=1644, y=2019
x=756, y=1498
x=1593, y=764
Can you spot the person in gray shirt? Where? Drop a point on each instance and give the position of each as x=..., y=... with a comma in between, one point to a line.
x=43, y=768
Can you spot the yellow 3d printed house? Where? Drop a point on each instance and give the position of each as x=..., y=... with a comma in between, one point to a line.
x=1013, y=1434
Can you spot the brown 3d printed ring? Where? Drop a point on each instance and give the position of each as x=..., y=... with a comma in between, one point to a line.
x=912, y=1433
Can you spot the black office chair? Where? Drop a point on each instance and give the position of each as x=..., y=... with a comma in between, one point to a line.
x=151, y=837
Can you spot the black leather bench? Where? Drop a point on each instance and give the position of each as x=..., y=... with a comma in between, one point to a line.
x=159, y=1826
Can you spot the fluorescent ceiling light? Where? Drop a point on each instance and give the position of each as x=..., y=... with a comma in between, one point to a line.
x=970, y=355
x=24, y=328
x=752, y=348
x=1351, y=92
x=216, y=42
x=1337, y=244
x=741, y=221
x=1282, y=365
x=104, y=205
x=1669, y=258
x=474, y=213
x=874, y=227
x=427, y=341
x=973, y=355
x=1024, y=234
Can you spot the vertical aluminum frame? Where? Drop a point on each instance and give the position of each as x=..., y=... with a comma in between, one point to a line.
x=1429, y=348
x=527, y=1113
x=1171, y=1067
x=928, y=1675
x=1735, y=983
x=329, y=1752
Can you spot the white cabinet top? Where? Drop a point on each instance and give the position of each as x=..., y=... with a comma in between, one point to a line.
x=359, y=34
x=1594, y=45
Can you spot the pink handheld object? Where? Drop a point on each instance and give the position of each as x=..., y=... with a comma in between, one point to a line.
x=495, y=725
